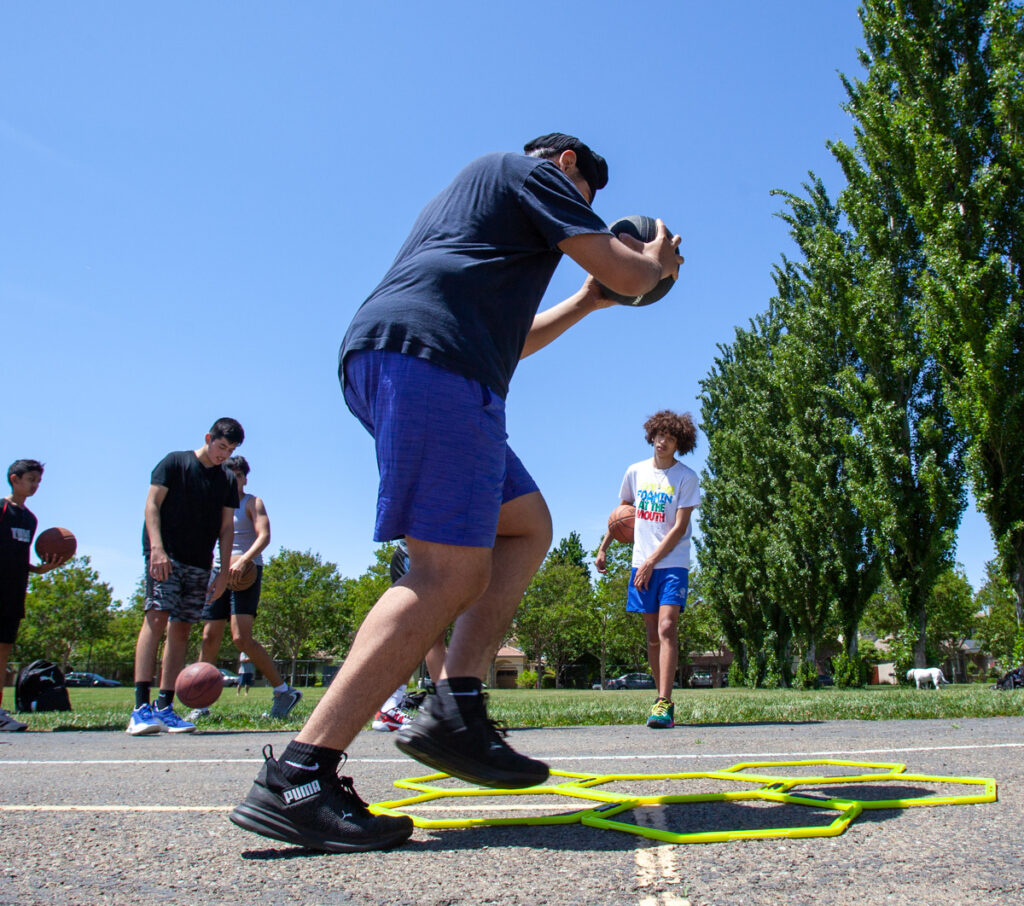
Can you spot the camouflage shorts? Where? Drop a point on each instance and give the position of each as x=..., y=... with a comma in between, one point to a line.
x=182, y=593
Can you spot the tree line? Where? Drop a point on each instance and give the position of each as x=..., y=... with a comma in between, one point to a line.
x=572, y=622
x=846, y=422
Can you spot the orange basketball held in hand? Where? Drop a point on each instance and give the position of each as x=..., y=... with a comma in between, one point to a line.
x=56, y=541
x=620, y=523
x=199, y=685
x=245, y=580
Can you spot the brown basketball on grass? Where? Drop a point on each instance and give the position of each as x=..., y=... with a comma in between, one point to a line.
x=246, y=579
x=199, y=685
x=620, y=523
x=58, y=541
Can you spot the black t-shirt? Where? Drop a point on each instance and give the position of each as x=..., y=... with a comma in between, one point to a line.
x=190, y=516
x=465, y=286
x=17, y=527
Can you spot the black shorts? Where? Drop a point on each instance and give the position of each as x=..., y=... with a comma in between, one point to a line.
x=234, y=602
x=12, y=611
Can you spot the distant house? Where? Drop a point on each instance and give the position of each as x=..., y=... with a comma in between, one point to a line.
x=508, y=663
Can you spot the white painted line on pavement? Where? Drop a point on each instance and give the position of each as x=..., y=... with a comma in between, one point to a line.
x=680, y=756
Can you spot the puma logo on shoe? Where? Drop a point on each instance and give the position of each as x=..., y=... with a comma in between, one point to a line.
x=298, y=793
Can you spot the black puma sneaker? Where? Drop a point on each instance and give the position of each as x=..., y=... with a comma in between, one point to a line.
x=323, y=813
x=464, y=742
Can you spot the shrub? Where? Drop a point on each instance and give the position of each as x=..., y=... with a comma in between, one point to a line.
x=849, y=672
x=527, y=680
x=547, y=681
x=737, y=677
x=806, y=676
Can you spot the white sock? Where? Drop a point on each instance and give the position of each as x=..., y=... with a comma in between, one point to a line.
x=282, y=688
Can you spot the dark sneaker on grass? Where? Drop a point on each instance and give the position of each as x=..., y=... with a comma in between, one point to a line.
x=284, y=702
x=323, y=813
x=472, y=750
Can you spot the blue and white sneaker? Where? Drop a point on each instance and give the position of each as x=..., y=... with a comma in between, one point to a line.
x=143, y=723
x=171, y=723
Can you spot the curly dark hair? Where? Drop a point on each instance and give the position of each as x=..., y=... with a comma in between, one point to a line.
x=680, y=427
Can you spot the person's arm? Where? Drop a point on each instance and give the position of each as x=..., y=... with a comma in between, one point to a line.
x=551, y=323
x=610, y=260
x=624, y=264
x=257, y=512
x=159, y=562
x=601, y=559
x=227, y=536
x=667, y=545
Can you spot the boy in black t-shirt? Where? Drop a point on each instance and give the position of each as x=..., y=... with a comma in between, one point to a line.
x=17, y=527
x=189, y=508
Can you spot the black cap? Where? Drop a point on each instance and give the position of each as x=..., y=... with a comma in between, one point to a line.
x=593, y=167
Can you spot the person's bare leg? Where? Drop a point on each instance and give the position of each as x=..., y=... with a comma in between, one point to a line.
x=653, y=646
x=524, y=536
x=241, y=635
x=152, y=631
x=213, y=634
x=668, y=660
x=435, y=659
x=442, y=581
x=175, y=650
x=5, y=655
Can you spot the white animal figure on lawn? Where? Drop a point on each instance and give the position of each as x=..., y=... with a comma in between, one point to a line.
x=924, y=674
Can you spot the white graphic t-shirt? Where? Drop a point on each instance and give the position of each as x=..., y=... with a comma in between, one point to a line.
x=657, y=494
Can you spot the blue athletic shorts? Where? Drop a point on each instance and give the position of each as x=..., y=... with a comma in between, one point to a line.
x=442, y=451
x=667, y=587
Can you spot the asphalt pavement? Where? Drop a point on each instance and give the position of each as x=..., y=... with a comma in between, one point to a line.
x=94, y=817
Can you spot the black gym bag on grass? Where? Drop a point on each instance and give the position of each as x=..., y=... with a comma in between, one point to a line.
x=40, y=687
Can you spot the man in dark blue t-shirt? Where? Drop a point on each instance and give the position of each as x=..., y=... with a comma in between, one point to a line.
x=425, y=366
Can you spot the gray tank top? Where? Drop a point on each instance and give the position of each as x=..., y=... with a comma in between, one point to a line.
x=245, y=531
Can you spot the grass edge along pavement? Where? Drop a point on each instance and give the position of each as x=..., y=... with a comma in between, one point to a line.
x=109, y=709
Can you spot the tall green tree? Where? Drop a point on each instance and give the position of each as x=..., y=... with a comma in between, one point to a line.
x=617, y=638
x=302, y=608
x=940, y=157
x=556, y=616
x=998, y=632
x=906, y=454
x=740, y=406
x=67, y=610
x=363, y=592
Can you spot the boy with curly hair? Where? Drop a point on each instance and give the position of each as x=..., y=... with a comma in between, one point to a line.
x=664, y=493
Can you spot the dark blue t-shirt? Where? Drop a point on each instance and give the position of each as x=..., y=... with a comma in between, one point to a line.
x=466, y=284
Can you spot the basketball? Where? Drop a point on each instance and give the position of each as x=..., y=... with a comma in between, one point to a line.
x=246, y=579
x=620, y=523
x=199, y=685
x=644, y=229
x=58, y=541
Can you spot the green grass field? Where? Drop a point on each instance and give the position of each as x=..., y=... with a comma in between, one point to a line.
x=108, y=709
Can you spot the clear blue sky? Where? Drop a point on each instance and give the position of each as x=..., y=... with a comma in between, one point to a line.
x=197, y=197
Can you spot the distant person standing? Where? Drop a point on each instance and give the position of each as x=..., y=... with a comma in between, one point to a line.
x=251, y=537
x=17, y=528
x=190, y=508
x=665, y=493
x=246, y=675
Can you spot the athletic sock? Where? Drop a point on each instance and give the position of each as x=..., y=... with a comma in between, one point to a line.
x=282, y=688
x=300, y=761
x=142, y=693
x=165, y=699
x=465, y=693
